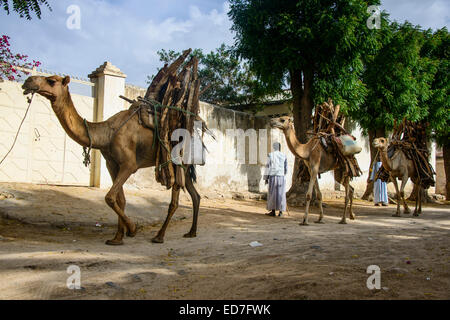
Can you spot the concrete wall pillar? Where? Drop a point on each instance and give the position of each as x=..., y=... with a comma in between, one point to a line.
x=110, y=84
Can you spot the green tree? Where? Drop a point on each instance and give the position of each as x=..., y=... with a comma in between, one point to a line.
x=437, y=48
x=225, y=79
x=316, y=46
x=398, y=79
x=25, y=8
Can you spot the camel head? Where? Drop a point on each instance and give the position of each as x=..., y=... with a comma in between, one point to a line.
x=50, y=87
x=380, y=143
x=282, y=123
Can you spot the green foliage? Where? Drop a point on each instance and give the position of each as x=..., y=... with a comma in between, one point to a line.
x=328, y=38
x=408, y=78
x=25, y=7
x=397, y=77
x=437, y=48
x=225, y=80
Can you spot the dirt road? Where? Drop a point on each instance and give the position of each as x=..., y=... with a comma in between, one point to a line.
x=294, y=262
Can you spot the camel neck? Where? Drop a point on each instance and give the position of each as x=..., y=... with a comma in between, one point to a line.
x=74, y=124
x=294, y=145
x=385, y=159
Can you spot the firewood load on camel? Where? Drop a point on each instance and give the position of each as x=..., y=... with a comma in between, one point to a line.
x=328, y=127
x=411, y=138
x=138, y=137
x=172, y=102
x=330, y=148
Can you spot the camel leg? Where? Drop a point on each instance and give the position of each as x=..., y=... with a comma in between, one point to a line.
x=195, y=205
x=402, y=194
x=397, y=193
x=172, y=208
x=122, y=202
x=312, y=181
x=319, y=198
x=347, y=193
x=420, y=199
x=343, y=180
x=417, y=199
x=117, y=203
x=351, y=194
x=340, y=178
x=418, y=209
x=117, y=240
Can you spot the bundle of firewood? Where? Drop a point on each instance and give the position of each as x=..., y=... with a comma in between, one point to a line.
x=172, y=100
x=415, y=132
x=328, y=125
x=411, y=137
x=327, y=119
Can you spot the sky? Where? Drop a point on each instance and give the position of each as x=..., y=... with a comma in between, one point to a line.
x=128, y=33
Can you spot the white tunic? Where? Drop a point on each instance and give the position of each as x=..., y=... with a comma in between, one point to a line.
x=277, y=164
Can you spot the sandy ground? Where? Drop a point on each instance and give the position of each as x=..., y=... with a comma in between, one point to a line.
x=39, y=240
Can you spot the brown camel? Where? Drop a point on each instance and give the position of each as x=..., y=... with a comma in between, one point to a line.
x=399, y=166
x=318, y=161
x=126, y=146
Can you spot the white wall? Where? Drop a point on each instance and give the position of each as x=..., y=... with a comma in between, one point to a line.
x=43, y=152
x=222, y=171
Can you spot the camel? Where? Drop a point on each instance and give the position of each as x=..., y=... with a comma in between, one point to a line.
x=317, y=161
x=399, y=166
x=124, y=143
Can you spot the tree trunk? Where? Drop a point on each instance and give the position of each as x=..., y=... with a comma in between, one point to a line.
x=446, y=154
x=373, y=133
x=301, y=88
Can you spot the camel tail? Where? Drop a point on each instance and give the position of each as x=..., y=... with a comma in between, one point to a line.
x=193, y=173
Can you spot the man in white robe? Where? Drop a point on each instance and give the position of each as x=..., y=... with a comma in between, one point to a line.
x=276, y=169
x=380, y=195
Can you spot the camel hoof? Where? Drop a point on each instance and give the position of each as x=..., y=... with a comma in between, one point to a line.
x=407, y=212
x=190, y=235
x=396, y=215
x=157, y=240
x=114, y=242
x=319, y=222
x=304, y=223
x=416, y=214
x=342, y=222
x=132, y=234
x=352, y=217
